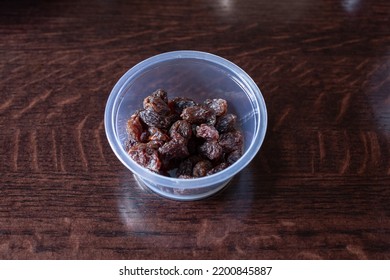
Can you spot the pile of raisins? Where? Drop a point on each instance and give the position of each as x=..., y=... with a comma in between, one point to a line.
x=183, y=138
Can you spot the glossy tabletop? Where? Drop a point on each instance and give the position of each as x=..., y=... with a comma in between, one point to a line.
x=318, y=189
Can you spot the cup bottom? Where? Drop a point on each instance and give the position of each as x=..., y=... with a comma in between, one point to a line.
x=181, y=194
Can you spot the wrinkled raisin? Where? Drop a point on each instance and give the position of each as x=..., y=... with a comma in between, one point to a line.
x=218, y=168
x=144, y=137
x=182, y=128
x=162, y=94
x=219, y=106
x=145, y=156
x=156, y=134
x=157, y=105
x=134, y=129
x=201, y=168
x=185, y=168
x=155, y=144
x=234, y=156
x=178, y=104
x=211, y=149
x=226, y=123
x=231, y=141
x=198, y=115
x=175, y=148
x=151, y=118
x=182, y=138
x=207, y=132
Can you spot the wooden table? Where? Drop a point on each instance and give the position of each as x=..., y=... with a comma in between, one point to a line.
x=318, y=189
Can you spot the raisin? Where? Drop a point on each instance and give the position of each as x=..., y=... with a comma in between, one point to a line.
x=178, y=104
x=211, y=149
x=219, y=106
x=162, y=94
x=201, y=168
x=185, y=168
x=226, y=123
x=156, y=134
x=207, y=132
x=198, y=115
x=231, y=141
x=155, y=144
x=145, y=156
x=175, y=148
x=156, y=104
x=144, y=137
x=170, y=165
x=219, y=167
x=134, y=129
x=182, y=138
x=195, y=158
x=182, y=128
x=234, y=156
x=151, y=118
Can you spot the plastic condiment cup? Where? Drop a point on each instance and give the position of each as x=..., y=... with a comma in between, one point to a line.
x=197, y=75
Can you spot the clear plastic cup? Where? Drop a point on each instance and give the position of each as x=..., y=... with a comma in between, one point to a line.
x=197, y=75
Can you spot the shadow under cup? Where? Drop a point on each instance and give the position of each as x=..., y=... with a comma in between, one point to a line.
x=199, y=76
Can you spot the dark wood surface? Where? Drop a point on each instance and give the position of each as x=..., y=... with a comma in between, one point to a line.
x=318, y=189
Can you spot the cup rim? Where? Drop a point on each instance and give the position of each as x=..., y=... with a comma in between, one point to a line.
x=171, y=182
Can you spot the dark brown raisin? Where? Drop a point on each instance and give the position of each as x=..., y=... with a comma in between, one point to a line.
x=207, y=132
x=201, y=168
x=174, y=117
x=170, y=164
x=185, y=168
x=175, y=148
x=151, y=118
x=182, y=138
x=155, y=144
x=195, y=158
x=218, y=105
x=218, y=168
x=157, y=105
x=144, y=137
x=234, y=156
x=226, y=123
x=145, y=156
x=211, y=149
x=178, y=104
x=156, y=134
x=134, y=129
x=231, y=141
x=182, y=128
x=162, y=94
x=198, y=115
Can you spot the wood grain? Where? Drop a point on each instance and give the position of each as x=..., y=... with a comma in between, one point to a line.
x=318, y=188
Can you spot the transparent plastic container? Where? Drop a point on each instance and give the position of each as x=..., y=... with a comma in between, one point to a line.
x=197, y=75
